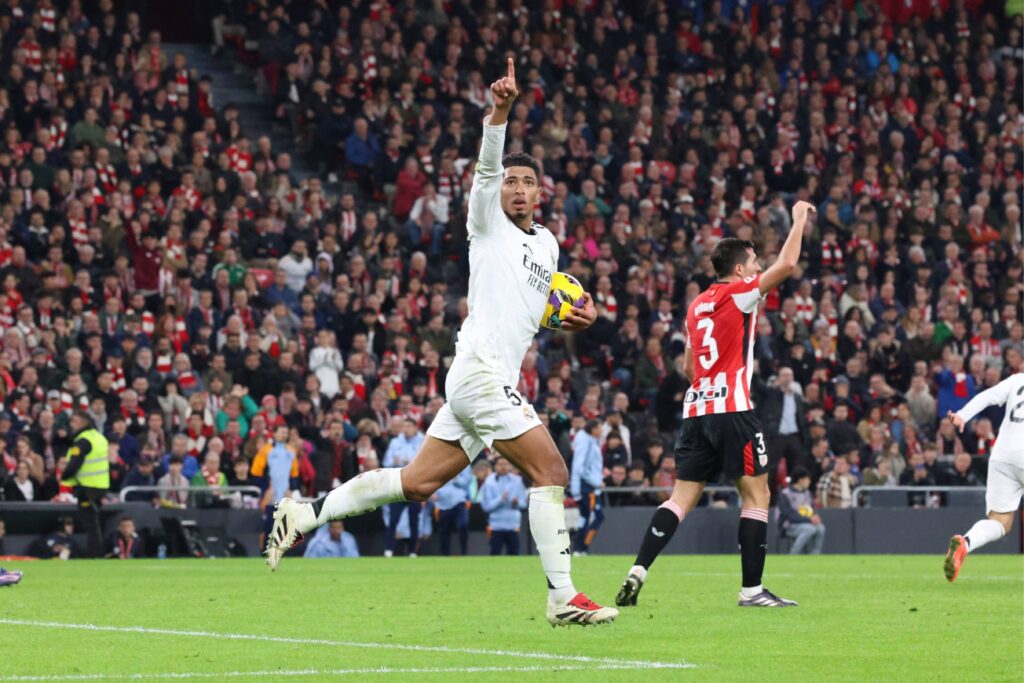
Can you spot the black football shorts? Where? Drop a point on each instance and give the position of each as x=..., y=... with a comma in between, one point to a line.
x=726, y=445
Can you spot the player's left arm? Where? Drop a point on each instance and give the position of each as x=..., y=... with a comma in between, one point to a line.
x=994, y=396
x=789, y=255
x=581, y=318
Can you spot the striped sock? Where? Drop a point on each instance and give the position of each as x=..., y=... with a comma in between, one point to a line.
x=753, y=539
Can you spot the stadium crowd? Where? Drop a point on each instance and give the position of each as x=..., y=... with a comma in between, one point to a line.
x=166, y=272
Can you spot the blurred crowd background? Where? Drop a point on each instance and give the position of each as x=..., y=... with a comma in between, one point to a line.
x=169, y=271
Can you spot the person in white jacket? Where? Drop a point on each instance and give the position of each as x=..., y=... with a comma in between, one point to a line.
x=1005, y=484
x=325, y=362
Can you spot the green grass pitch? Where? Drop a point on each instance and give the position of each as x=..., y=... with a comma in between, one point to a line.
x=434, y=619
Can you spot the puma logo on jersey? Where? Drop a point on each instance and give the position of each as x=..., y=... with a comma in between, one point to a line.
x=706, y=307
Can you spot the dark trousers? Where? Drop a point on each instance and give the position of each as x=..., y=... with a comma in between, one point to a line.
x=789, y=447
x=449, y=521
x=591, y=509
x=89, y=503
x=395, y=513
x=508, y=539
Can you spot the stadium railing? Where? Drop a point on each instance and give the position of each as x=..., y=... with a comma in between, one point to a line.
x=222, y=492
x=898, y=496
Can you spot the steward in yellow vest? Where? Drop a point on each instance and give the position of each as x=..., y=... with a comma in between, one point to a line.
x=88, y=470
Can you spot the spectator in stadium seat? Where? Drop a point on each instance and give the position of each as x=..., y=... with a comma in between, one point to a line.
x=956, y=387
x=125, y=543
x=960, y=473
x=835, y=488
x=141, y=474
x=797, y=518
x=21, y=487
x=209, y=476
x=179, y=449
x=177, y=484
x=332, y=541
x=842, y=434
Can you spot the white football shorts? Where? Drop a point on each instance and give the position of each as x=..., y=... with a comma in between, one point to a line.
x=1005, y=487
x=482, y=406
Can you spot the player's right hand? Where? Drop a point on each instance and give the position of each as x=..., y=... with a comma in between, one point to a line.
x=801, y=210
x=956, y=420
x=504, y=89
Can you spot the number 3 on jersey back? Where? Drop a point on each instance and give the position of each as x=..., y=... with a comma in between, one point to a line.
x=708, y=342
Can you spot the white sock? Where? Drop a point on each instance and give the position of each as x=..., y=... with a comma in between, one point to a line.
x=547, y=524
x=984, y=531
x=363, y=493
x=639, y=571
x=752, y=591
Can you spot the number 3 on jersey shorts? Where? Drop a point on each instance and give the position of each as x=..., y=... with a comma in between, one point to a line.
x=482, y=406
x=1005, y=486
x=709, y=446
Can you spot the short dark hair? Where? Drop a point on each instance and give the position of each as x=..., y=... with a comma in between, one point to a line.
x=729, y=252
x=522, y=159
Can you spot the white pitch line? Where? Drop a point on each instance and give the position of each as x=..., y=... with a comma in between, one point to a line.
x=785, y=575
x=309, y=672
x=582, y=659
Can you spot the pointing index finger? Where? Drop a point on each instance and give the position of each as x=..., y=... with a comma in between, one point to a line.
x=511, y=69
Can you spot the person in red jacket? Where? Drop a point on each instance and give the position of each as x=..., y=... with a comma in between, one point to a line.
x=411, y=180
x=146, y=258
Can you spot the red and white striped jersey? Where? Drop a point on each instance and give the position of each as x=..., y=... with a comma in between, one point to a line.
x=720, y=327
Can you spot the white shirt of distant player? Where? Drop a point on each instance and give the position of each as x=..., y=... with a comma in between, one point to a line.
x=509, y=270
x=1010, y=440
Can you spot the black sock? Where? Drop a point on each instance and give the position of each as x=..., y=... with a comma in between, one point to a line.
x=753, y=538
x=318, y=505
x=664, y=522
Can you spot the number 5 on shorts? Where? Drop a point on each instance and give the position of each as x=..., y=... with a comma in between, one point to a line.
x=512, y=396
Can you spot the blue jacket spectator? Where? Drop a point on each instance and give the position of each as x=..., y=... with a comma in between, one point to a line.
x=587, y=461
x=503, y=497
x=403, y=448
x=361, y=147
x=331, y=540
x=956, y=387
x=455, y=492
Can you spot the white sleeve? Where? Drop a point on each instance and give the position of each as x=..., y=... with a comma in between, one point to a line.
x=483, y=197
x=994, y=396
x=747, y=294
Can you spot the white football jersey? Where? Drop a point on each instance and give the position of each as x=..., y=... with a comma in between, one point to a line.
x=509, y=270
x=1010, y=440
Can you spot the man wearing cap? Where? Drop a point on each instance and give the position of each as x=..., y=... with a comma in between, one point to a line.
x=88, y=470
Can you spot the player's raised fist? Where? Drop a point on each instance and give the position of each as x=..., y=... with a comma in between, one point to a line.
x=504, y=89
x=801, y=210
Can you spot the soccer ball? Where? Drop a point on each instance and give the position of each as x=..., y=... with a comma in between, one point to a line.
x=566, y=293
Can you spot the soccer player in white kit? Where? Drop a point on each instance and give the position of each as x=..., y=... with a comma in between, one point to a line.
x=1005, y=484
x=511, y=261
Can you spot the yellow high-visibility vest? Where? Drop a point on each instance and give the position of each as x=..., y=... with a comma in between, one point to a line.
x=95, y=470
